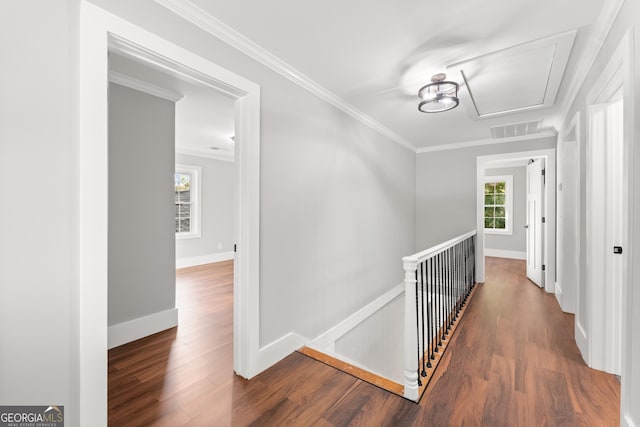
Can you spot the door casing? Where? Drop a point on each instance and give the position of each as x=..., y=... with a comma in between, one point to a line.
x=549, y=155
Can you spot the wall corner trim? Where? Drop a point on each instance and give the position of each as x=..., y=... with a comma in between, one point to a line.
x=142, y=86
x=581, y=340
x=141, y=327
x=601, y=30
x=205, y=21
x=203, y=259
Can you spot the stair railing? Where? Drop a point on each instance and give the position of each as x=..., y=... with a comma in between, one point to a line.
x=438, y=283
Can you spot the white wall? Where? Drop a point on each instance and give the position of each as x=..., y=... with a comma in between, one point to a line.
x=39, y=170
x=446, y=189
x=216, y=223
x=337, y=208
x=142, y=258
x=516, y=242
x=628, y=19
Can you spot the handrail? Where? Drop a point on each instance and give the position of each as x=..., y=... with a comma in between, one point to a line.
x=434, y=250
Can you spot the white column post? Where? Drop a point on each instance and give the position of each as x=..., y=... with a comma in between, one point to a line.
x=410, y=333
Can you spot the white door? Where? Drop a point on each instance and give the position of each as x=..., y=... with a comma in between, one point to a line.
x=535, y=209
x=605, y=224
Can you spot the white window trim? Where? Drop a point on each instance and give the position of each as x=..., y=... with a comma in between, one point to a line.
x=196, y=205
x=508, y=179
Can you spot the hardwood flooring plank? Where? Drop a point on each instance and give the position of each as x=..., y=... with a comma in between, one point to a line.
x=512, y=361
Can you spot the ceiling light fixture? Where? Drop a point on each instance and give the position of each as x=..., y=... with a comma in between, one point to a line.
x=439, y=95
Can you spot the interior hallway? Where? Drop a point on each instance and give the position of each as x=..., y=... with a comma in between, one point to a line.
x=512, y=362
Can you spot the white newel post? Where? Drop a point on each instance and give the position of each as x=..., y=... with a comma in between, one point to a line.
x=410, y=333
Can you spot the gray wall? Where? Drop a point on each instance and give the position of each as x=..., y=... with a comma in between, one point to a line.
x=518, y=240
x=628, y=19
x=216, y=223
x=446, y=189
x=39, y=171
x=142, y=266
x=337, y=201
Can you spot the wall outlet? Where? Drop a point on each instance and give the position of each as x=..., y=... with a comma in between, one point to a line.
x=219, y=245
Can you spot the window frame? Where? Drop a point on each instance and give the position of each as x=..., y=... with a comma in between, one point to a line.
x=508, y=206
x=195, y=196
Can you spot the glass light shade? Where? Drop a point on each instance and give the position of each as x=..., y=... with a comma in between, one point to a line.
x=438, y=96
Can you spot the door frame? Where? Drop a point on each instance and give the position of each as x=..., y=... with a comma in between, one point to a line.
x=566, y=295
x=549, y=155
x=617, y=73
x=101, y=32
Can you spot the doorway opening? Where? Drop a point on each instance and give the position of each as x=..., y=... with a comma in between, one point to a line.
x=516, y=165
x=102, y=33
x=606, y=227
x=157, y=123
x=603, y=314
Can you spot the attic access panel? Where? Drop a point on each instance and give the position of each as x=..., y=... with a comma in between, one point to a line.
x=519, y=78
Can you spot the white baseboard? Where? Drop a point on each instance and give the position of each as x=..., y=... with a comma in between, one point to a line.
x=581, y=341
x=141, y=327
x=279, y=349
x=203, y=259
x=499, y=253
x=274, y=352
x=326, y=341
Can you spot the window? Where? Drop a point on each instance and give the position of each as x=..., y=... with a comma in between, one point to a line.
x=498, y=197
x=187, y=201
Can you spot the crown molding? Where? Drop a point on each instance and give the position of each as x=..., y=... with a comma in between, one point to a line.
x=488, y=141
x=599, y=33
x=204, y=20
x=142, y=86
x=208, y=155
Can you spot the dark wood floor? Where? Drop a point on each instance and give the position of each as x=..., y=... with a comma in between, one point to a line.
x=512, y=362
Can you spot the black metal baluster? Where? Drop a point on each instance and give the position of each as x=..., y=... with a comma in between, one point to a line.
x=443, y=287
x=466, y=270
x=438, y=295
x=470, y=268
x=454, y=300
x=423, y=268
x=448, y=292
x=456, y=252
x=418, y=328
x=473, y=281
x=455, y=282
x=459, y=280
x=463, y=271
x=430, y=313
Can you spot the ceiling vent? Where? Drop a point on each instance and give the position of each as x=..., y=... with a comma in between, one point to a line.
x=516, y=129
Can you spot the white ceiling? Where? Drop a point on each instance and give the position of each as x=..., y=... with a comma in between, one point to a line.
x=376, y=54
x=204, y=116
